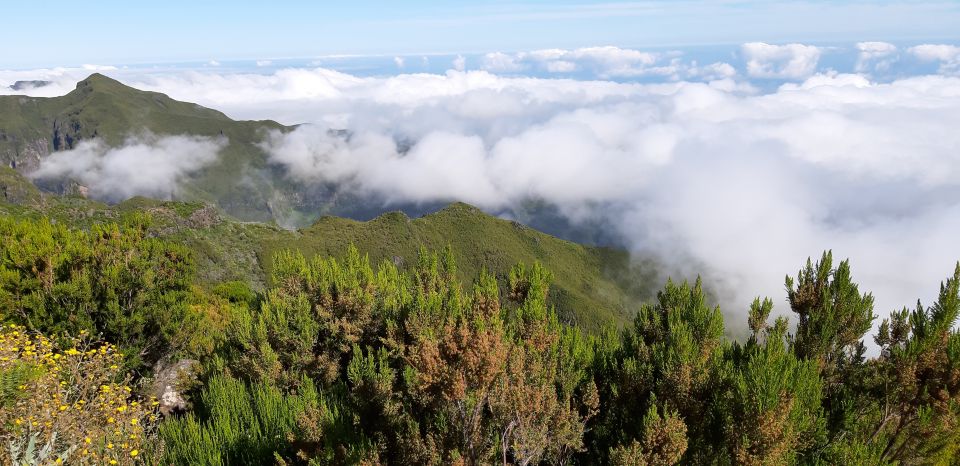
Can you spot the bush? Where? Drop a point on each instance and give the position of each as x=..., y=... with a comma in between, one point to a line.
x=113, y=281
x=76, y=403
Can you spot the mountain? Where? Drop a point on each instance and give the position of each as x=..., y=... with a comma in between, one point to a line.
x=241, y=181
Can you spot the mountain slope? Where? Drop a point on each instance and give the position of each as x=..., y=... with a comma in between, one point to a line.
x=32, y=128
x=592, y=286
x=241, y=181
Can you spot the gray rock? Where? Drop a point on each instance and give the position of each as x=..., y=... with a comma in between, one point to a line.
x=171, y=382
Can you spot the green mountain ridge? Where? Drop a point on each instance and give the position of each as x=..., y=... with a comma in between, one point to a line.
x=593, y=287
x=241, y=181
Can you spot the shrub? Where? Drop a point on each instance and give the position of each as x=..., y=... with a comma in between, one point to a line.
x=76, y=402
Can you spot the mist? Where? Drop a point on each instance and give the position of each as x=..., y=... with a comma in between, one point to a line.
x=709, y=178
x=145, y=165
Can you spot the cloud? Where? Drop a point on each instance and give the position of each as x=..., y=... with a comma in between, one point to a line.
x=262, y=63
x=716, y=179
x=875, y=56
x=711, y=72
x=791, y=61
x=89, y=67
x=213, y=63
x=499, y=62
x=398, y=61
x=603, y=62
x=147, y=165
x=460, y=63
x=947, y=55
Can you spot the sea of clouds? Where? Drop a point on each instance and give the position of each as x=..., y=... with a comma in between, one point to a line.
x=710, y=168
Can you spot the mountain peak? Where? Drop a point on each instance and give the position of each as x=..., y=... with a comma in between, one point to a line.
x=98, y=81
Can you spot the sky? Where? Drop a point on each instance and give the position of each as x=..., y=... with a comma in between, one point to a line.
x=727, y=139
x=62, y=33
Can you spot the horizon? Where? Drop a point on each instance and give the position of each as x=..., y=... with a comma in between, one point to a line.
x=181, y=31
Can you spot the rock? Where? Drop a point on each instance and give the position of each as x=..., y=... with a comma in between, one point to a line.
x=204, y=217
x=171, y=382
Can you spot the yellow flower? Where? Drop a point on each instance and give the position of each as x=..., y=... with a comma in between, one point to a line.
x=113, y=461
x=87, y=440
x=134, y=453
x=134, y=422
x=110, y=446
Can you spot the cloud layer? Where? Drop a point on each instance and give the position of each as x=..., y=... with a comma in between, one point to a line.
x=711, y=178
x=144, y=166
x=791, y=61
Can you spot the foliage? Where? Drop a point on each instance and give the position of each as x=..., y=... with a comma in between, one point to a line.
x=73, y=404
x=113, y=281
x=339, y=361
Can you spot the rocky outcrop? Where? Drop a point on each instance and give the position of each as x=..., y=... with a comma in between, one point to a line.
x=171, y=382
x=15, y=189
x=23, y=157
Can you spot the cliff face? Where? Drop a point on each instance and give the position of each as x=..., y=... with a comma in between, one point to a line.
x=23, y=156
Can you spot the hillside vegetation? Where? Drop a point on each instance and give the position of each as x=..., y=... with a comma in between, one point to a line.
x=176, y=332
x=590, y=288
x=341, y=360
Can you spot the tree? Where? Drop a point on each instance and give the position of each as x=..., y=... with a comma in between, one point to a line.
x=919, y=374
x=833, y=318
x=772, y=411
x=671, y=354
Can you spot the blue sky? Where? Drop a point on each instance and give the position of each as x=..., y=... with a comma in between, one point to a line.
x=54, y=33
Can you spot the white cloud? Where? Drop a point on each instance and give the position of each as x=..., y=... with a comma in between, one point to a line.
x=459, y=63
x=499, y=62
x=714, y=179
x=147, y=165
x=790, y=61
x=712, y=71
x=98, y=67
x=262, y=63
x=398, y=61
x=560, y=66
x=947, y=55
x=213, y=63
x=605, y=62
x=875, y=56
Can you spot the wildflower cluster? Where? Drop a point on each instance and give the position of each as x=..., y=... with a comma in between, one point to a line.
x=75, y=400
